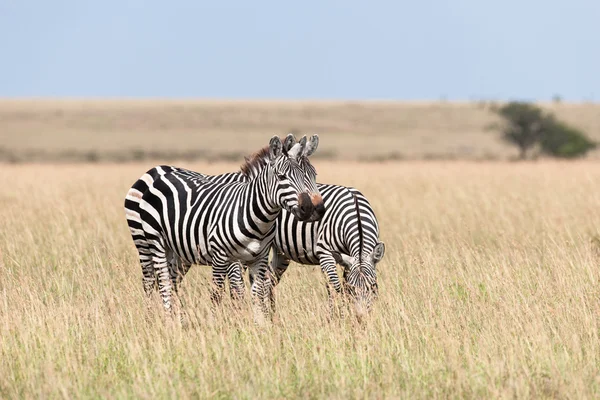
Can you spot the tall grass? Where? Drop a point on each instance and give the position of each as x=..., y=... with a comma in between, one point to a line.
x=489, y=288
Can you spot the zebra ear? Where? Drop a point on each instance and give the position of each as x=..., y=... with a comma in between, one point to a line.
x=378, y=252
x=311, y=146
x=289, y=142
x=302, y=143
x=298, y=149
x=342, y=259
x=275, y=147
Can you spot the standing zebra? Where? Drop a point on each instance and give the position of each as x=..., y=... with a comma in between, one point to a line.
x=348, y=234
x=222, y=222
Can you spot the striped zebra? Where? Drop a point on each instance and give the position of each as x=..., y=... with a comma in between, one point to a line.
x=348, y=234
x=222, y=222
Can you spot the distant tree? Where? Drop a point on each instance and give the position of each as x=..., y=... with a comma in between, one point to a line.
x=526, y=126
x=523, y=125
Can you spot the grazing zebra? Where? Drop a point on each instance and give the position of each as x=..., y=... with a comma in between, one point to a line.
x=221, y=222
x=348, y=234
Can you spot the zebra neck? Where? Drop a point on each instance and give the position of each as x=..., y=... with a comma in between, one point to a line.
x=359, y=244
x=257, y=207
x=354, y=248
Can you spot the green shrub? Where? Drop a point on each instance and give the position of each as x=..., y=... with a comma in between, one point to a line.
x=564, y=141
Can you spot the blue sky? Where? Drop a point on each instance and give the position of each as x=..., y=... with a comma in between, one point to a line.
x=406, y=50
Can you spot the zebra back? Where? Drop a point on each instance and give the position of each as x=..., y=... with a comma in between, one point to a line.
x=349, y=226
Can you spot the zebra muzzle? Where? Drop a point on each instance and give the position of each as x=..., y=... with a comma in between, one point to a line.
x=305, y=207
x=318, y=212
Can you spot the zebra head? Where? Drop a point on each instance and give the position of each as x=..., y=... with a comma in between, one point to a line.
x=295, y=185
x=360, y=276
x=310, y=178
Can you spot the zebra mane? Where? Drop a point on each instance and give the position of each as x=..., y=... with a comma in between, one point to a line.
x=360, y=228
x=255, y=163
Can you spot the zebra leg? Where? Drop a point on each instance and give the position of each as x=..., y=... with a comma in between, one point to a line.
x=334, y=287
x=149, y=281
x=279, y=264
x=260, y=290
x=150, y=284
x=236, y=281
x=177, y=270
x=219, y=273
x=328, y=266
x=142, y=246
x=148, y=277
x=161, y=268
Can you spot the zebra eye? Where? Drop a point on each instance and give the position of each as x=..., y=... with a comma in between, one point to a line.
x=281, y=176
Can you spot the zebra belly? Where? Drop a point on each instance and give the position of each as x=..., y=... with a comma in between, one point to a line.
x=197, y=259
x=254, y=248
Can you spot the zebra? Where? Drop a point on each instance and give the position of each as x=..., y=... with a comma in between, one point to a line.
x=347, y=234
x=220, y=222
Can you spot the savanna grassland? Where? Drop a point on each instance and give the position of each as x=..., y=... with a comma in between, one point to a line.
x=489, y=288
x=202, y=130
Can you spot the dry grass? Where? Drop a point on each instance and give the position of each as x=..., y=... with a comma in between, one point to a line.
x=489, y=288
x=119, y=129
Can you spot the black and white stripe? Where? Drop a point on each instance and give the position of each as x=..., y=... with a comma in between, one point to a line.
x=348, y=234
x=178, y=218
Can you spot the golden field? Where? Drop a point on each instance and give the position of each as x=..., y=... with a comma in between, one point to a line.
x=489, y=288
x=118, y=130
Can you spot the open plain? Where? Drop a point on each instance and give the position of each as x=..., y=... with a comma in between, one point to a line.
x=207, y=130
x=489, y=288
